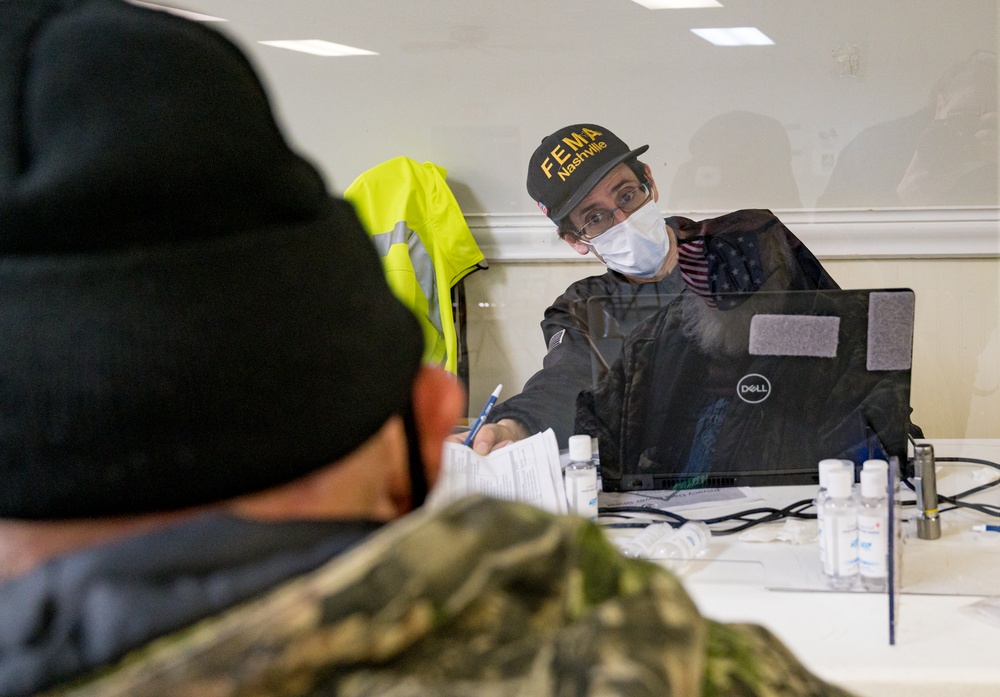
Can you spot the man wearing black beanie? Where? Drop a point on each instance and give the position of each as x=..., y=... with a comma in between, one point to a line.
x=211, y=405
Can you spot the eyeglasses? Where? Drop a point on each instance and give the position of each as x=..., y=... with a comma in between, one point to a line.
x=599, y=221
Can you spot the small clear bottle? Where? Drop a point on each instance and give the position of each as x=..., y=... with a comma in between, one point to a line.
x=825, y=467
x=581, y=478
x=840, y=531
x=676, y=551
x=873, y=530
x=880, y=465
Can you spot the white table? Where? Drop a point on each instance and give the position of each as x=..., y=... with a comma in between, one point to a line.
x=940, y=649
x=942, y=646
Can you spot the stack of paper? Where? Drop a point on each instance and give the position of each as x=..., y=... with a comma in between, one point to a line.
x=527, y=470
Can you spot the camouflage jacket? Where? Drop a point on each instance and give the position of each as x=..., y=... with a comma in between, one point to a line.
x=482, y=598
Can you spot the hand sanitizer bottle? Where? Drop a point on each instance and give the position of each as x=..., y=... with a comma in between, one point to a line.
x=880, y=465
x=825, y=467
x=840, y=531
x=581, y=478
x=873, y=530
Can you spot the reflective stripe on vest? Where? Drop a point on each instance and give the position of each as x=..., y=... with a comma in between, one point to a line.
x=423, y=267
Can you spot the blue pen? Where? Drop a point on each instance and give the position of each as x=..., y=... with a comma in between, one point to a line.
x=482, y=416
x=986, y=528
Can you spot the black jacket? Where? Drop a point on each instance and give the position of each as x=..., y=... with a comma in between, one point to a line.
x=668, y=408
x=573, y=362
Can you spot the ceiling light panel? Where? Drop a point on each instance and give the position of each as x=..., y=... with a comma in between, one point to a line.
x=677, y=4
x=734, y=36
x=318, y=47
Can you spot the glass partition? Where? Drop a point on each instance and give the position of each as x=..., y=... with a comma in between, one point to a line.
x=869, y=129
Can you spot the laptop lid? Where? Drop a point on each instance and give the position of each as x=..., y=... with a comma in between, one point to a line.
x=687, y=394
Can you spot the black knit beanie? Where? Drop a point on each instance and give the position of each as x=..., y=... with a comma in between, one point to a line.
x=186, y=314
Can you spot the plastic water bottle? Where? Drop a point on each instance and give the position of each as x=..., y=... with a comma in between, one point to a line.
x=677, y=550
x=581, y=478
x=825, y=467
x=873, y=530
x=840, y=531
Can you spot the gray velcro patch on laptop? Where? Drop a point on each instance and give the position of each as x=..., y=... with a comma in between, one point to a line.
x=794, y=335
x=890, y=330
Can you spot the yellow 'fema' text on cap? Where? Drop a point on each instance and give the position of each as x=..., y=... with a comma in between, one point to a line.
x=567, y=160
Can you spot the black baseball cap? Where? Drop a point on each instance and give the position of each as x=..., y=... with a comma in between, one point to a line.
x=570, y=162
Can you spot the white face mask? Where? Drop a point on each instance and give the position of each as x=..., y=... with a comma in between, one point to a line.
x=638, y=245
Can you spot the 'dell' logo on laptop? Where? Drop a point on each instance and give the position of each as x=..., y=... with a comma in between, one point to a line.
x=753, y=388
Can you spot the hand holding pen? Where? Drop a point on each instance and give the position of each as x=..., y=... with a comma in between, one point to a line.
x=482, y=416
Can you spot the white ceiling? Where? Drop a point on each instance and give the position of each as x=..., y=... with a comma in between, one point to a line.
x=474, y=85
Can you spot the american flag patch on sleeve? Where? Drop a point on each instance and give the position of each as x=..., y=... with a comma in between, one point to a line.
x=694, y=267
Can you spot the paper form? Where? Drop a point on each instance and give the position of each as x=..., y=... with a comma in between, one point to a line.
x=526, y=470
x=682, y=499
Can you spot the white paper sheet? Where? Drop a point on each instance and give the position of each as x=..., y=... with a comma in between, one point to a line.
x=527, y=470
x=680, y=500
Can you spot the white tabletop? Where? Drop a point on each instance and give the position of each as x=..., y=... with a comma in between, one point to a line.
x=942, y=645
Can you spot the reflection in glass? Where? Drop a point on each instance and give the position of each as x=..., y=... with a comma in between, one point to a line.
x=943, y=154
x=739, y=157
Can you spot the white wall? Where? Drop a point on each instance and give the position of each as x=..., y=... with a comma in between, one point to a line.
x=474, y=85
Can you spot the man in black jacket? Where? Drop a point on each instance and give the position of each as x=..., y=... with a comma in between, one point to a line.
x=595, y=189
x=603, y=200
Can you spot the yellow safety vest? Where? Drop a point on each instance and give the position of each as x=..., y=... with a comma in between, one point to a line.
x=425, y=244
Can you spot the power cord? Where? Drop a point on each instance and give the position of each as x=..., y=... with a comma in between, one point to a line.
x=757, y=516
x=746, y=519
x=955, y=501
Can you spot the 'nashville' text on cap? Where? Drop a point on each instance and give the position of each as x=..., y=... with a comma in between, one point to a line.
x=570, y=162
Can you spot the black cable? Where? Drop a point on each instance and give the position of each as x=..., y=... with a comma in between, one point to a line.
x=970, y=460
x=956, y=499
x=767, y=515
x=621, y=511
x=796, y=510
